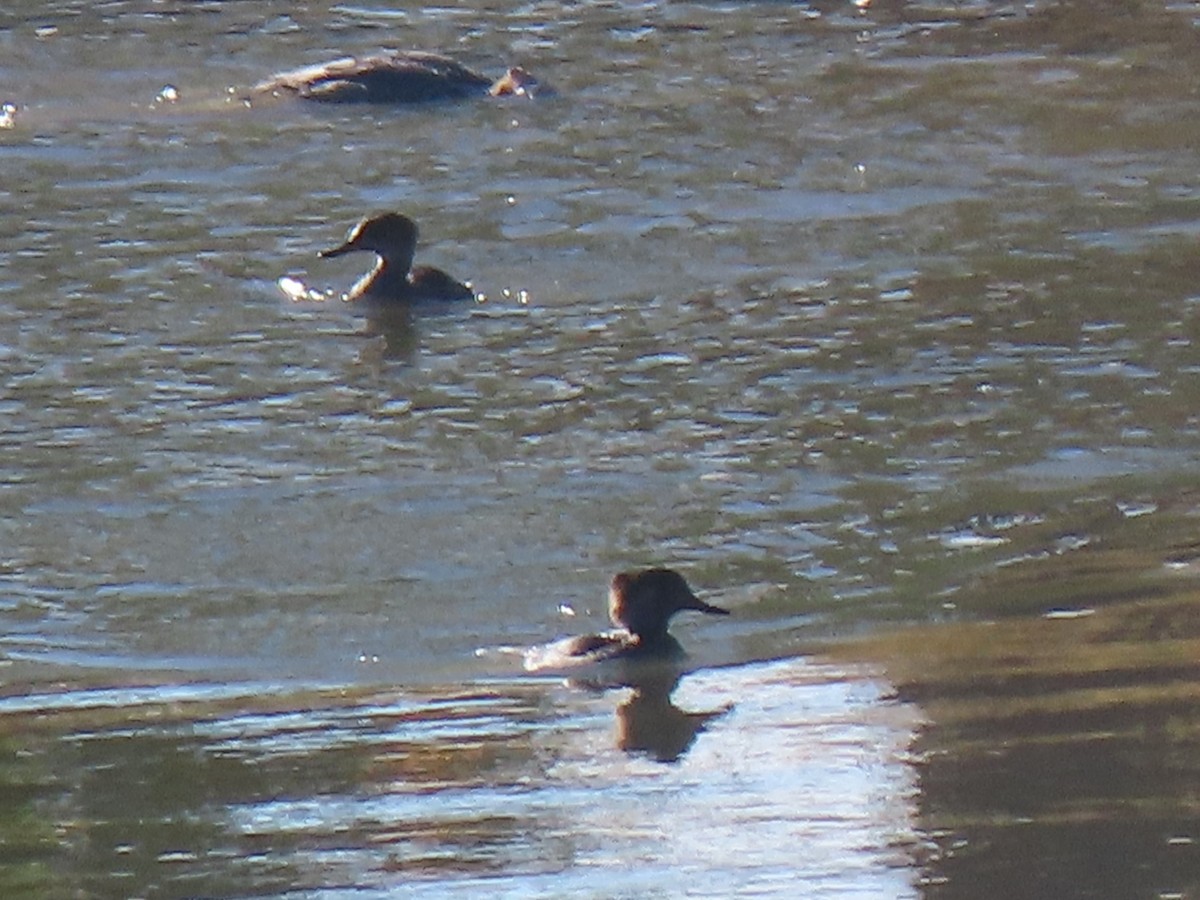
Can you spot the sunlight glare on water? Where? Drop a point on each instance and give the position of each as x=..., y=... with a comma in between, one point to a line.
x=856, y=314
x=801, y=783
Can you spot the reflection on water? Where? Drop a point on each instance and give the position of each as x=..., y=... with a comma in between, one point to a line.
x=855, y=313
x=221, y=792
x=648, y=722
x=1064, y=741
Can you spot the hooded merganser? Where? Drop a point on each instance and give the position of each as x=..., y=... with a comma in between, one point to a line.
x=393, y=238
x=641, y=605
x=398, y=76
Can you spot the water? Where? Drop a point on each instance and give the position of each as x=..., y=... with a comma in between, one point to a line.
x=857, y=317
x=490, y=788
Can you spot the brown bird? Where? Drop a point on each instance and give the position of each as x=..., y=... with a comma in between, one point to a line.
x=397, y=76
x=641, y=605
x=393, y=238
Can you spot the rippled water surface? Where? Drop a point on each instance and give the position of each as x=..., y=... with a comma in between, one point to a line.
x=857, y=314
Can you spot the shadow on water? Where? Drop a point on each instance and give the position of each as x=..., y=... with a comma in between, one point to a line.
x=1060, y=751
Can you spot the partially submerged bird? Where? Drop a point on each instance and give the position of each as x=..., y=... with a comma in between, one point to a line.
x=641, y=605
x=393, y=238
x=396, y=76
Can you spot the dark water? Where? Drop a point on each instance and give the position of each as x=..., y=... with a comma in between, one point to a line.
x=857, y=316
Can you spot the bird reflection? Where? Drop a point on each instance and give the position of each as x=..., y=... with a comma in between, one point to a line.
x=640, y=655
x=649, y=723
x=399, y=332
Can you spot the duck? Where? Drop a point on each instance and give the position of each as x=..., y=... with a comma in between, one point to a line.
x=395, y=76
x=640, y=605
x=393, y=238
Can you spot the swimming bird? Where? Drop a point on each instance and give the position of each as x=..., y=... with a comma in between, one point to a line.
x=393, y=238
x=395, y=76
x=641, y=605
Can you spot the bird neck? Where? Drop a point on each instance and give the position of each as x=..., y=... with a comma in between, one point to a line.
x=386, y=279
